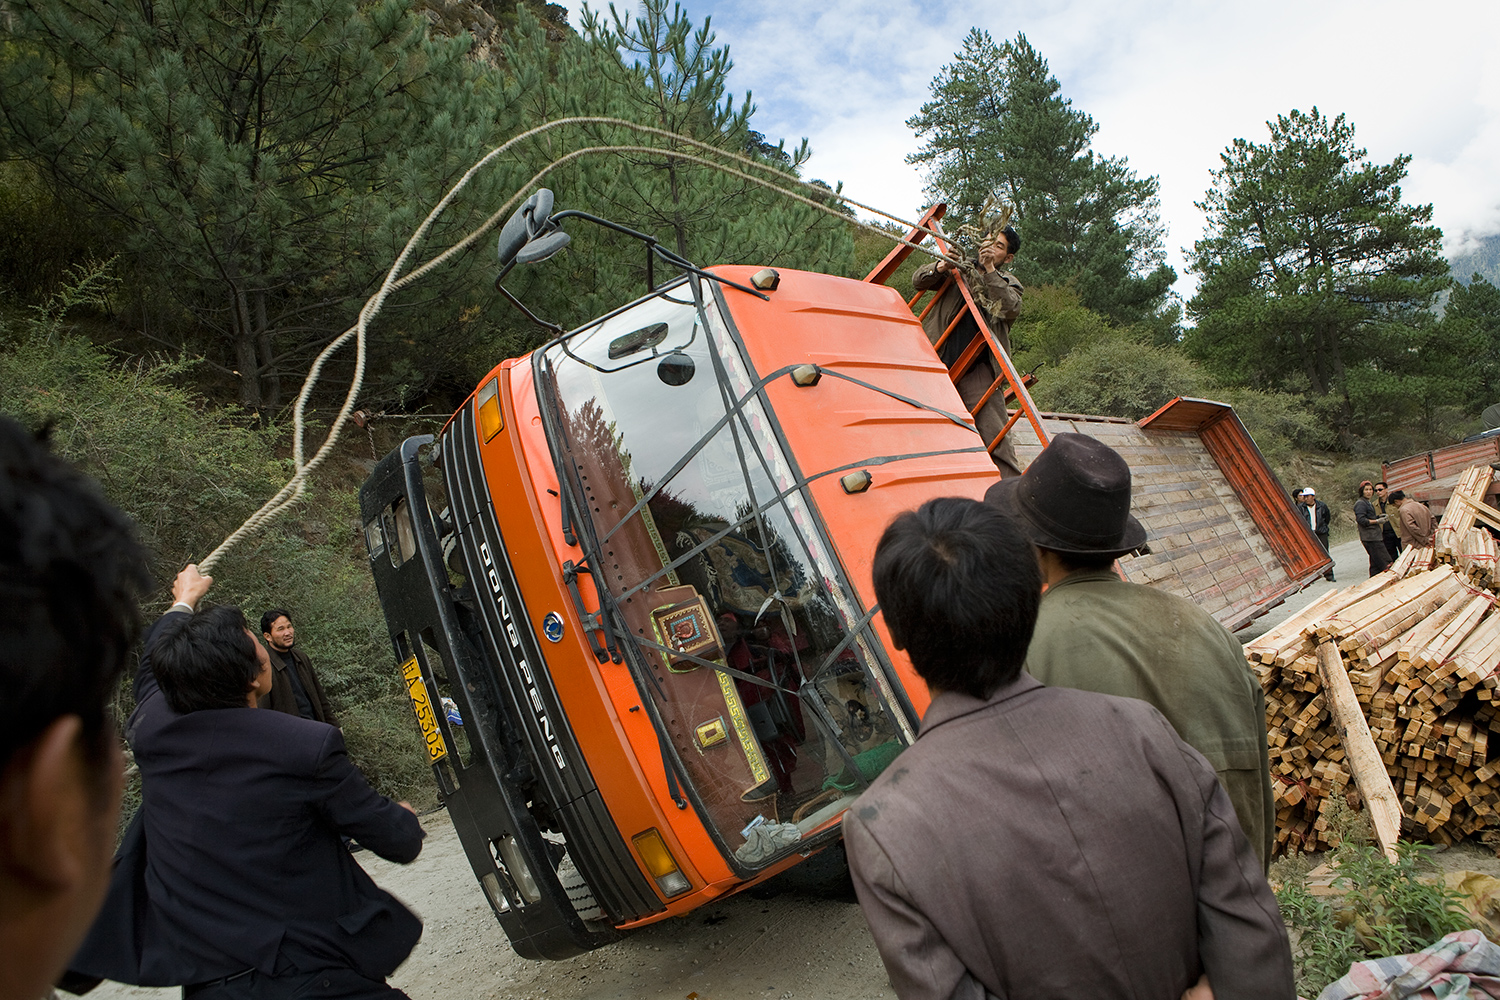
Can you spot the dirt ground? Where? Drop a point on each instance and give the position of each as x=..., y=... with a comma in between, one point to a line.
x=785, y=947
x=782, y=948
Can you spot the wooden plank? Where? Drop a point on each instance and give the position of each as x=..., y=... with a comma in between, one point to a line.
x=1359, y=747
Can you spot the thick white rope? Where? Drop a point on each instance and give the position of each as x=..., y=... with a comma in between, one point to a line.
x=297, y=485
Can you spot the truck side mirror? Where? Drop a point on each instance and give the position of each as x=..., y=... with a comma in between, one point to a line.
x=543, y=247
x=528, y=235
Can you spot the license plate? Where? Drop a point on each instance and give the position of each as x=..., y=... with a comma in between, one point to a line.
x=422, y=705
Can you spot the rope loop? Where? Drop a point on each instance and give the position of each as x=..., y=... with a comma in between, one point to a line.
x=394, y=280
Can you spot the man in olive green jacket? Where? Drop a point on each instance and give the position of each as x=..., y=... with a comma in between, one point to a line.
x=997, y=292
x=1096, y=632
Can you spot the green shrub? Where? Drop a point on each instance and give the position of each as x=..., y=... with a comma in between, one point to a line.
x=1385, y=910
x=189, y=473
x=1053, y=324
x=1119, y=378
x=1280, y=422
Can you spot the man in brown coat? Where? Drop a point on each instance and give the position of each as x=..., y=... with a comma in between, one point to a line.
x=295, y=688
x=998, y=294
x=1041, y=842
x=1413, y=520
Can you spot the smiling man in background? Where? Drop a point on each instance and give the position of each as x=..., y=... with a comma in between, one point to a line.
x=295, y=688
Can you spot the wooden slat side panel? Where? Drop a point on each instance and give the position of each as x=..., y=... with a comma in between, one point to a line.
x=1251, y=477
x=1205, y=544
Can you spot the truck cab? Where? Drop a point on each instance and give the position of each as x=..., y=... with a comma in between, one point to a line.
x=637, y=565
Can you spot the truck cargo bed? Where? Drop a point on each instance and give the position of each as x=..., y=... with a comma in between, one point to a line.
x=1222, y=532
x=1431, y=476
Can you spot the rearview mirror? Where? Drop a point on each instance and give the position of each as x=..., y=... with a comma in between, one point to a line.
x=528, y=223
x=543, y=247
x=637, y=340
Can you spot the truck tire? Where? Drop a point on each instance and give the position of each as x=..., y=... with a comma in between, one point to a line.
x=579, y=893
x=825, y=875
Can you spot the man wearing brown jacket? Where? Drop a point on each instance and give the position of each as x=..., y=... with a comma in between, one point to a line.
x=1414, y=523
x=1097, y=632
x=295, y=688
x=998, y=294
x=1041, y=842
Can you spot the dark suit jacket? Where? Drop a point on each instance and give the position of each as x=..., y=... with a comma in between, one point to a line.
x=1321, y=517
x=1056, y=843
x=283, y=699
x=235, y=862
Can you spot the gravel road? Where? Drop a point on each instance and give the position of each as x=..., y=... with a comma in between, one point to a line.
x=784, y=947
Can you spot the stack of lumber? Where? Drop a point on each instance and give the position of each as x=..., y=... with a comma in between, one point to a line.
x=1421, y=645
x=1458, y=541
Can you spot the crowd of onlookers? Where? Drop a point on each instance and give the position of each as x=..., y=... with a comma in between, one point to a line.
x=1388, y=521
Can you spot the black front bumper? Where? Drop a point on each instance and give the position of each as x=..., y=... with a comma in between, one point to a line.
x=516, y=767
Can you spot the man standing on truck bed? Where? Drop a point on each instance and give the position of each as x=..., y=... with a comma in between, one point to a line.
x=998, y=294
x=1035, y=841
x=1096, y=632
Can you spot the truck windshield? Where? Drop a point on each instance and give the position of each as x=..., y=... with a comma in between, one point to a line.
x=758, y=662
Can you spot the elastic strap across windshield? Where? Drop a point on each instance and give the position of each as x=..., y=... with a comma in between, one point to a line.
x=743, y=401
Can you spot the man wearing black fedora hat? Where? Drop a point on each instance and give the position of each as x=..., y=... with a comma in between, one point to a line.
x=1097, y=632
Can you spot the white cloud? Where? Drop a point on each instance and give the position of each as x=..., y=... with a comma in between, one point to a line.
x=1171, y=84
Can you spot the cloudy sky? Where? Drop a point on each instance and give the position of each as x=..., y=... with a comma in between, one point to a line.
x=1170, y=83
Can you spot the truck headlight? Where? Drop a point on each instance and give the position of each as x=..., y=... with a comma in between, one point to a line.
x=660, y=863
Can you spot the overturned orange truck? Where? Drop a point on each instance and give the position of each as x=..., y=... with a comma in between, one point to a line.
x=629, y=585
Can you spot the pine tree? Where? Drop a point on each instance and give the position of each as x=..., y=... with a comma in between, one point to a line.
x=265, y=160
x=1471, y=322
x=1316, y=277
x=997, y=126
x=661, y=69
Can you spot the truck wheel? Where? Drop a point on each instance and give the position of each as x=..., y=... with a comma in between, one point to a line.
x=579, y=893
x=825, y=875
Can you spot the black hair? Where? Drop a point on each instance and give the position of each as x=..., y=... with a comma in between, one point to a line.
x=205, y=661
x=959, y=587
x=1397, y=495
x=269, y=618
x=71, y=577
x=1013, y=238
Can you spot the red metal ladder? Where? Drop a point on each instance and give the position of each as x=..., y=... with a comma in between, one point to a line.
x=1010, y=381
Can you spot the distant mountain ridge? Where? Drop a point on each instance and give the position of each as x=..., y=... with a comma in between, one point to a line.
x=1485, y=260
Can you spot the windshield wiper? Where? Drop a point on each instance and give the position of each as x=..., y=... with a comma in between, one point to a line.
x=569, y=480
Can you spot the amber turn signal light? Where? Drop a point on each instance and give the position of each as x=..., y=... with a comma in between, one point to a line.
x=490, y=420
x=660, y=863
